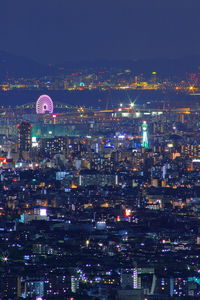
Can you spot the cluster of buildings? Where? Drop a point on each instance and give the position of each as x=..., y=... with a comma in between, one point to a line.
x=106, y=79
x=99, y=204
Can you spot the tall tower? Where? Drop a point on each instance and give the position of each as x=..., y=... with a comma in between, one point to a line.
x=145, y=142
x=24, y=130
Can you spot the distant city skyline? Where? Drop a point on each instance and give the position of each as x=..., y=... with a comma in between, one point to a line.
x=54, y=32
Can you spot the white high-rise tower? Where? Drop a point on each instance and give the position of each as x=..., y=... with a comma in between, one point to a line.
x=145, y=142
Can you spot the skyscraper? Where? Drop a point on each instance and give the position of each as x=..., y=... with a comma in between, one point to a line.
x=24, y=136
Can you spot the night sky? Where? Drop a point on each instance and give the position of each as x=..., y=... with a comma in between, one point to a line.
x=53, y=31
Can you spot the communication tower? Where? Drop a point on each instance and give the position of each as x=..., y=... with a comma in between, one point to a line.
x=145, y=142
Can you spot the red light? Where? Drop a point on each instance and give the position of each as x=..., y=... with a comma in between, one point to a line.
x=54, y=116
x=127, y=213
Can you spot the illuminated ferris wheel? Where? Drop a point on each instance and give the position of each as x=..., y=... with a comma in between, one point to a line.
x=44, y=105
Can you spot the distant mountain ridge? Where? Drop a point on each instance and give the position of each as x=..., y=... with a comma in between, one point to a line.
x=18, y=66
x=164, y=67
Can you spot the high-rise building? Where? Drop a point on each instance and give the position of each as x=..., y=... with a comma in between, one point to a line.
x=54, y=145
x=24, y=130
x=135, y=277
x=74, y=284
x=33, y=288
x=129, y=278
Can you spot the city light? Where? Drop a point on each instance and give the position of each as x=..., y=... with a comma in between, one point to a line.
x=43, y=212
x=99, y=151
x=127, y=213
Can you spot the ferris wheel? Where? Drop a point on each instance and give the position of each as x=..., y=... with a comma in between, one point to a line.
x=44, y=105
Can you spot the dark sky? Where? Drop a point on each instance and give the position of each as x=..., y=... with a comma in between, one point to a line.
x=53, y=31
